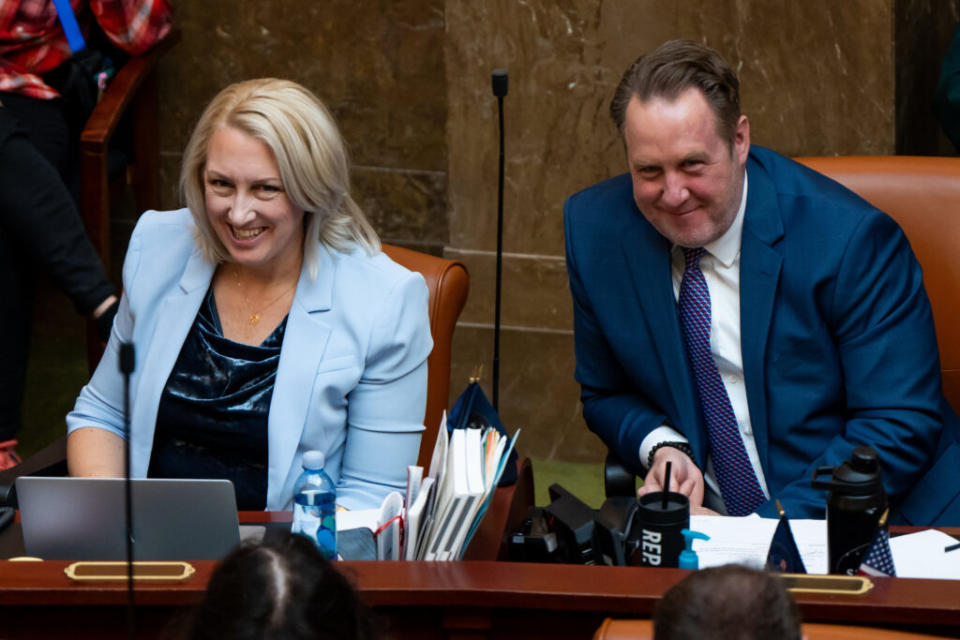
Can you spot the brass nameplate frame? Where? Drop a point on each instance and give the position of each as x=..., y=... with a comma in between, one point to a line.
x=842, y=585
x=152, y=571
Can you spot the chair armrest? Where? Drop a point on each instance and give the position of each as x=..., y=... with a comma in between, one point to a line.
x=50, y=461
x=119, y=93
x=618, y=480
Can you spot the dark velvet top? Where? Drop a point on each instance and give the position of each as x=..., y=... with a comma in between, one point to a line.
x=212, y=419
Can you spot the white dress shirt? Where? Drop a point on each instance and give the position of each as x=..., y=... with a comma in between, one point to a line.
x=721, y=269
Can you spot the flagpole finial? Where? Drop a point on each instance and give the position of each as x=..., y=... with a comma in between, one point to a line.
x=780, y=509
x=477, y=373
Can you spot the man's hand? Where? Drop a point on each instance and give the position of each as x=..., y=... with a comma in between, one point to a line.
x=685, y=476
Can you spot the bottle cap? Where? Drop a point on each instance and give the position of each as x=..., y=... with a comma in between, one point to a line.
x=313, y=460
x=688, y=557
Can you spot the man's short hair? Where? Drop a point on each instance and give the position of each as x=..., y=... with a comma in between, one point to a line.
x=731, y=602
x=671, y=69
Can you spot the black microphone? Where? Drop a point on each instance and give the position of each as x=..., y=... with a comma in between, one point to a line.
x=499, y=82
x=127, y=363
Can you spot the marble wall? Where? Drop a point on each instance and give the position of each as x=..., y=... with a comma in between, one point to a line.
x=409, y=83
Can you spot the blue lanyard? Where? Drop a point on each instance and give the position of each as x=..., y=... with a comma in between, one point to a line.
x=69, y=23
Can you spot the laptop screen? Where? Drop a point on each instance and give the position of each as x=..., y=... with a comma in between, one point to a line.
x=83, y=518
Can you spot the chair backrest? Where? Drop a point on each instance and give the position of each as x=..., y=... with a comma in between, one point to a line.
x=643, y=630
x=923, y=195
x=448, y=283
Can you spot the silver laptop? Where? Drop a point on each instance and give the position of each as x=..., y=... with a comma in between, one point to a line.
x=83, y=518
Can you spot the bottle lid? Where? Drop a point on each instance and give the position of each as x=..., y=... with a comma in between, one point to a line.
x=313, y=460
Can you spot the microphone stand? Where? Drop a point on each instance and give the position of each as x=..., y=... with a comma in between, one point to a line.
x=499, y=81
x=127, y=361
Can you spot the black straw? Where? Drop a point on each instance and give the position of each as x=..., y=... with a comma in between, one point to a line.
x=666, y=486
x=499, y=82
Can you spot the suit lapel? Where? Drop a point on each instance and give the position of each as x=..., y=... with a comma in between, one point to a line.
x=174, y=317
x=760, y=265
x=647, y=255
x=304, y=342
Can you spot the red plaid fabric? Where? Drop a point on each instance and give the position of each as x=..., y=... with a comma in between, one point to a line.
x=32, y=41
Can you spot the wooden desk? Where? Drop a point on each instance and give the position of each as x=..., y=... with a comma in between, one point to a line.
x=38, y=601
x=476, y=598
x=436, y=600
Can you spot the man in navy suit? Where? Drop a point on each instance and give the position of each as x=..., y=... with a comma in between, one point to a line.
x=745, y=318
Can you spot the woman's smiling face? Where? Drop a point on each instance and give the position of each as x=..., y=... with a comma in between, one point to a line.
x=247, y=205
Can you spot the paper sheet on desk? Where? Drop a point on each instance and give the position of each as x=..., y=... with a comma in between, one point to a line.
x=921, y=555
x=746, y=541
x=358, y=518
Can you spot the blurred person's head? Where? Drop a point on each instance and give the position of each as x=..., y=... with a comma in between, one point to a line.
x=731, y=602
x=281, y=589
x=303, y=142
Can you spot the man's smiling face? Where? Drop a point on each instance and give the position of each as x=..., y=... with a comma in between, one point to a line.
x=687, y=179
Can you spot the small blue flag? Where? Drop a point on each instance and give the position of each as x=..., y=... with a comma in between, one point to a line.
x=784, y=556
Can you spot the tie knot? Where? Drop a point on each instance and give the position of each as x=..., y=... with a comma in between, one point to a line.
x=692, y=257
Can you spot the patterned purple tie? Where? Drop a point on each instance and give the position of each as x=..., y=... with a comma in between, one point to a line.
x=735, y=475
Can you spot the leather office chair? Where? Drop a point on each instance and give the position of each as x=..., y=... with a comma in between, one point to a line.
x=923, y=195
x=448, y=284
x=132, y=94
x=643, y=630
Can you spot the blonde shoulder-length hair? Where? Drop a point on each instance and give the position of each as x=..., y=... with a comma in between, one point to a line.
x=310, y=154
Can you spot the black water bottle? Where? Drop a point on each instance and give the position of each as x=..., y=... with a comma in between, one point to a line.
x=854, y=506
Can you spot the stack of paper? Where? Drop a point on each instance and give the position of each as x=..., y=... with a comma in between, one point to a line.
x=438, y=514
x=465, y=471
x=746, y=540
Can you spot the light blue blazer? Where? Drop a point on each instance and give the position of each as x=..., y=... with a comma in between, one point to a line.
x=352, y=375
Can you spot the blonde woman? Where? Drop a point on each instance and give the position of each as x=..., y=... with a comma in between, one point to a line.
x=265, y=319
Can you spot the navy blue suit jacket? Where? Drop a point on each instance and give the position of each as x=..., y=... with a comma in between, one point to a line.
x=836, y=332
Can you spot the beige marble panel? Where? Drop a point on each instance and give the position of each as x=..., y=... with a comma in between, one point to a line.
x=404, y=206
x=824, y=88
x=535, y=291
x=377, y=65
x=537, y=391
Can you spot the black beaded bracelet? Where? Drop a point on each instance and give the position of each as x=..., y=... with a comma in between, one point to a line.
x=682, y=446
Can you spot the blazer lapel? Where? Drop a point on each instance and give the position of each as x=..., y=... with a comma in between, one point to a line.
x=647, y=255
x=304, y=342
x=174, y=317
x=760, y=265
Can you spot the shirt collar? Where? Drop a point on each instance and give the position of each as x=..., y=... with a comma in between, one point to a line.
x=726, y=247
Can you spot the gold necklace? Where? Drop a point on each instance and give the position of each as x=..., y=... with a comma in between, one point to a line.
x=254, y=314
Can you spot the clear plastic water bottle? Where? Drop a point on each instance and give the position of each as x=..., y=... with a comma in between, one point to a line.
x=315, y=505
